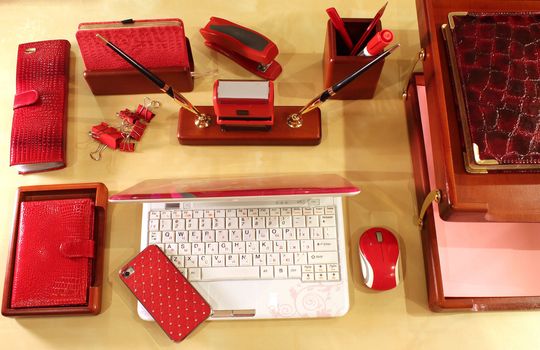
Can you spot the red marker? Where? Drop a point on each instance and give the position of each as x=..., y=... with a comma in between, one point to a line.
x=337, y=21
x=377, y=44
x=371, y=26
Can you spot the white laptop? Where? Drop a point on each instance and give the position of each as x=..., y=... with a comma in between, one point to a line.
x=254, y=247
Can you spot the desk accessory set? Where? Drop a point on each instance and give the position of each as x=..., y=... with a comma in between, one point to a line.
x=243, y=112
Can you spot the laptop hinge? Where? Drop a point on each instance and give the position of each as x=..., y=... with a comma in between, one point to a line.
x=233, y=313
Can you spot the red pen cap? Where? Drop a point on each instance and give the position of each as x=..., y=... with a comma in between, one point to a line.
x=379, y=41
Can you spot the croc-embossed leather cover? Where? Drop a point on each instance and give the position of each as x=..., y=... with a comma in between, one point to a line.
x=55, y=247
x=158, y=43
x=38, y=133
x=172, y=301
x=497, y=72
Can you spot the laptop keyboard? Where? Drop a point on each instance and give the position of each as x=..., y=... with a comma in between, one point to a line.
x=249, y=243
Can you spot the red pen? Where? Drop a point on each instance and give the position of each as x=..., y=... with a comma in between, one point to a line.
x=377, y=43
x=368, y=30
x=337, y=21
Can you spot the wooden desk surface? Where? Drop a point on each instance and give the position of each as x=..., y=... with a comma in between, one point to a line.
x=366, y=141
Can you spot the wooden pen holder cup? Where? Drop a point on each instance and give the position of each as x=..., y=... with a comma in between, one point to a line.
x=338, y=64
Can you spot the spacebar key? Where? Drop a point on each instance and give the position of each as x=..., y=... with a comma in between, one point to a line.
x=230, y=273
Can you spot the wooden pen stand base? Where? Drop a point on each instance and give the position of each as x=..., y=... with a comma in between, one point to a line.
x=309, y=134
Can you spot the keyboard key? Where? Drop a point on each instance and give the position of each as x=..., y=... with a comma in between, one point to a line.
x=272, y=222
x=318, y=211
x=165, y=225
x=296, y=211
x=289, y=233
x=286, y=258
x=299, y=221
x=197, y=248
x=208, y=213
x=205, y=260
x=244, y=222
x=312, y=221
x=308, y=268
x=231, y=260
x=192, y=224
x=248, y=235
x=225, y=247
x=219, y=213
x=307, y=211
x=275, y=212
x=262, y=234
x=259, y=259
x=316, y=233
x=222, y=235
x=253, y=212
x=330, y=233
x=230, y=273
x=308, y=277
x=245, y=260
x=293, y=246
x=218, y=260
x=325, y=245
x=155, y=215
x=187, y=214
x=239, y=247
x=320, y=268
x=280, y=246
x=177, y=260
x=328, y=220
x=332, y=268
x=191, y=261
x=166, y=214
x=218, y=223
x=322, y=258
x=154, y=237
x=168, y=237
x=231, y=223
x=272, y=258
x=300, y=258
x=198, y=214
x=241, y=213
x=286, y=212
x=330, y=210
x=205, y=224
x=194, y=274
x=171, y=249
x=176, y=214
x=229, y=213
x=302, y=233
x=235, y=235
x=153, y=225
x=264, y=212
x=195, y=236
x=280, y=272
x=259, y=222
x=306, y=245
x=211, y=248
x=184, y=248
x=178, y=224
x=276, y=234
x=285, y=221
x=294, y=271
x=252, y=247
x=265, y=247
x=208, y=236
x=320, y=276
x=267, y=272
x=332, y=276
x=182, y=236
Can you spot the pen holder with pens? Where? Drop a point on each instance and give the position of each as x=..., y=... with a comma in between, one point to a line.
x=338, y=64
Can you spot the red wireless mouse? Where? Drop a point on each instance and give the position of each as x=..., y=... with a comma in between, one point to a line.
x=379, y=258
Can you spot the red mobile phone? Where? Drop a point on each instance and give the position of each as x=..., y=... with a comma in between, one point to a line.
x=166, y=294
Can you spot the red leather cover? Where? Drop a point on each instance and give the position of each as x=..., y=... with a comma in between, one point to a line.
x=38, y=133
x=157, y=43
x=172, y=301
x=53, y=264
x=499, y=67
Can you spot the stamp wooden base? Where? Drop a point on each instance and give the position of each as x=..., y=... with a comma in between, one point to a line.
x=309, y=134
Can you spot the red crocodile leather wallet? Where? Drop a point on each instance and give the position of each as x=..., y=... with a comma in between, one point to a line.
x=38, y=132
x=172, y=301
x=53, y=259
x=156, y=43
x=497, y=63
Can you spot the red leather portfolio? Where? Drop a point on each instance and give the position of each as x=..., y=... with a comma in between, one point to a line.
x=38, y=133
x=53, y=259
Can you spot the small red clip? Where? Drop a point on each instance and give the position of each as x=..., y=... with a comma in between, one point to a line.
x=126, y=146
x=107, y=135
x=145, y=113
x=129, y=116
x=137, y=130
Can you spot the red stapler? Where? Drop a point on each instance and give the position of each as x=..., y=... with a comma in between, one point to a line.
x=250, y=49
x=244, y=103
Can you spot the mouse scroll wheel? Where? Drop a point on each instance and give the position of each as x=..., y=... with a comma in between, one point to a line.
x=379, y=236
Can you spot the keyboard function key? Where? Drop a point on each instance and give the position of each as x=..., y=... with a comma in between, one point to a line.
x=253, y=212
x=198, y=214
x=296, y=211
x=166, y=214
x=330, y=210
x=264, y=212
x=318, y=211
x=219, y=213
x=275, y=212
x=208, y=213
x=155, y=215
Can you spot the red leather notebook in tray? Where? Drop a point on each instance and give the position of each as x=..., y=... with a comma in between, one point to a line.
x=38, y=133
x=158, y=44
x=53, y=259
x=496, y=71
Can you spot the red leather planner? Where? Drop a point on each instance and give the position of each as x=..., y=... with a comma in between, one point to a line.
x=166, y=294
x=494, y=58
x=38, y=133
x=53, y=259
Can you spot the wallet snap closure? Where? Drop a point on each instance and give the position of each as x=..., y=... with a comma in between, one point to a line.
x=25, y=98
x=78, y=248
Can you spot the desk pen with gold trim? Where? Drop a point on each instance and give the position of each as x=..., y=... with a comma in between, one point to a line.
x=202, y=120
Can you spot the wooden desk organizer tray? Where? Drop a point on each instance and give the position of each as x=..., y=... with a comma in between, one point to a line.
x=467, y=197
x=55, y=261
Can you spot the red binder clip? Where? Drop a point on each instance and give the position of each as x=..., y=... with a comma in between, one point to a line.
x=250, y=49
x=137, y=130
x=126, y=146
x=107, y=136
x=129, y=116
x=146, y=110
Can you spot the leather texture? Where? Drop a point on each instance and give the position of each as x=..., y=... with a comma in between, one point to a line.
x=155, y=46
x=43, y=275
x=38, y=133
x=172, y=301
x=499, y=65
